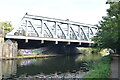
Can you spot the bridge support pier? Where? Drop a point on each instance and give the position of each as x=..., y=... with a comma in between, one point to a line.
x=9, y=49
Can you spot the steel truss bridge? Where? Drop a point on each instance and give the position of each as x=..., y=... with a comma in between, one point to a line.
x=43, y=29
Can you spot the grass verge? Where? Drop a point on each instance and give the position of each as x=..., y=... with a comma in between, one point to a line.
x=100, y=69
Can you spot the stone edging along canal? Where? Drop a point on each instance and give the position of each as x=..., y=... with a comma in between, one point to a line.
x=28, y=57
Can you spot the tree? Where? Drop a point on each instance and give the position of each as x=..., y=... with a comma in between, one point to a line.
x=7, y=27
x=109, y=29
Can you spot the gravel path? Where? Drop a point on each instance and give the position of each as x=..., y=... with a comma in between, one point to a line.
x=115, y=72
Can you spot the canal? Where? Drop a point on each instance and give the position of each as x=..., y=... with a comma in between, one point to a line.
x=41, y=66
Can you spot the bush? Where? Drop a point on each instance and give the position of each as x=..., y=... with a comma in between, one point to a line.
x=19, y=53
x=88, y=57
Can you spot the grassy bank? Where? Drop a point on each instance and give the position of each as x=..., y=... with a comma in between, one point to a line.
x=101, y=69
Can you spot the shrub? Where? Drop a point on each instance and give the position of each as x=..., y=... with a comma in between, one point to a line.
x=19, y=53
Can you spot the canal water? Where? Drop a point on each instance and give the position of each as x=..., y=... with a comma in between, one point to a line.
x=46, y=66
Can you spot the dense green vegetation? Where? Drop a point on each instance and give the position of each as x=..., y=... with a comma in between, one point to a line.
x=88, y=55
x=109, y=29
x=100, y=69
x=108, y=37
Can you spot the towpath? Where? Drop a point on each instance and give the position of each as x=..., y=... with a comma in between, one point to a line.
x=115, y=71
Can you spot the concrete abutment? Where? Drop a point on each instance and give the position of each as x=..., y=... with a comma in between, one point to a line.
x=8, y=48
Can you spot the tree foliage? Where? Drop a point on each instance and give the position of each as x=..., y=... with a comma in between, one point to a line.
x=7, y=27
x=109, y=29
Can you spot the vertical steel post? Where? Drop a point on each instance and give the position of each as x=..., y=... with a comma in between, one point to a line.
x=68, y=32
x=79, y=32
x=55, y=29
x=89, y=32
x=42, y=28
x=26, y=34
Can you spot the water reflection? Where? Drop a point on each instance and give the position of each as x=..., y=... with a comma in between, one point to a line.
x=16, y=68
x=7, y=68
x=0, y=70
x=25, y=63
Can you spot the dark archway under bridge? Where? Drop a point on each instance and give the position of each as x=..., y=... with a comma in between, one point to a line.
x=59, y=47
x=23, y=44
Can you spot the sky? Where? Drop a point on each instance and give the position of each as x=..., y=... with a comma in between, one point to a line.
x=83, y=11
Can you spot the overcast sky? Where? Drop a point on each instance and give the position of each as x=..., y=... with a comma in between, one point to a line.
x=84, y=11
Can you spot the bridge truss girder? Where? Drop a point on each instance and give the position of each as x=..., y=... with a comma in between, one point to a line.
x=44, y=27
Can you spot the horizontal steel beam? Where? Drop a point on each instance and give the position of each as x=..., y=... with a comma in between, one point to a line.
x=57, y=20
x=47, y=39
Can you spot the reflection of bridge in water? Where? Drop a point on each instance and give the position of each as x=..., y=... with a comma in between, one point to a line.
x=38, y=30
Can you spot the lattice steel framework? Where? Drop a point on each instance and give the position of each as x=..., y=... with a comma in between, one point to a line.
x=51, y=28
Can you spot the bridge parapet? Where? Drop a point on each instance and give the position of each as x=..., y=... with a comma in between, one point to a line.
x=44, y=28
